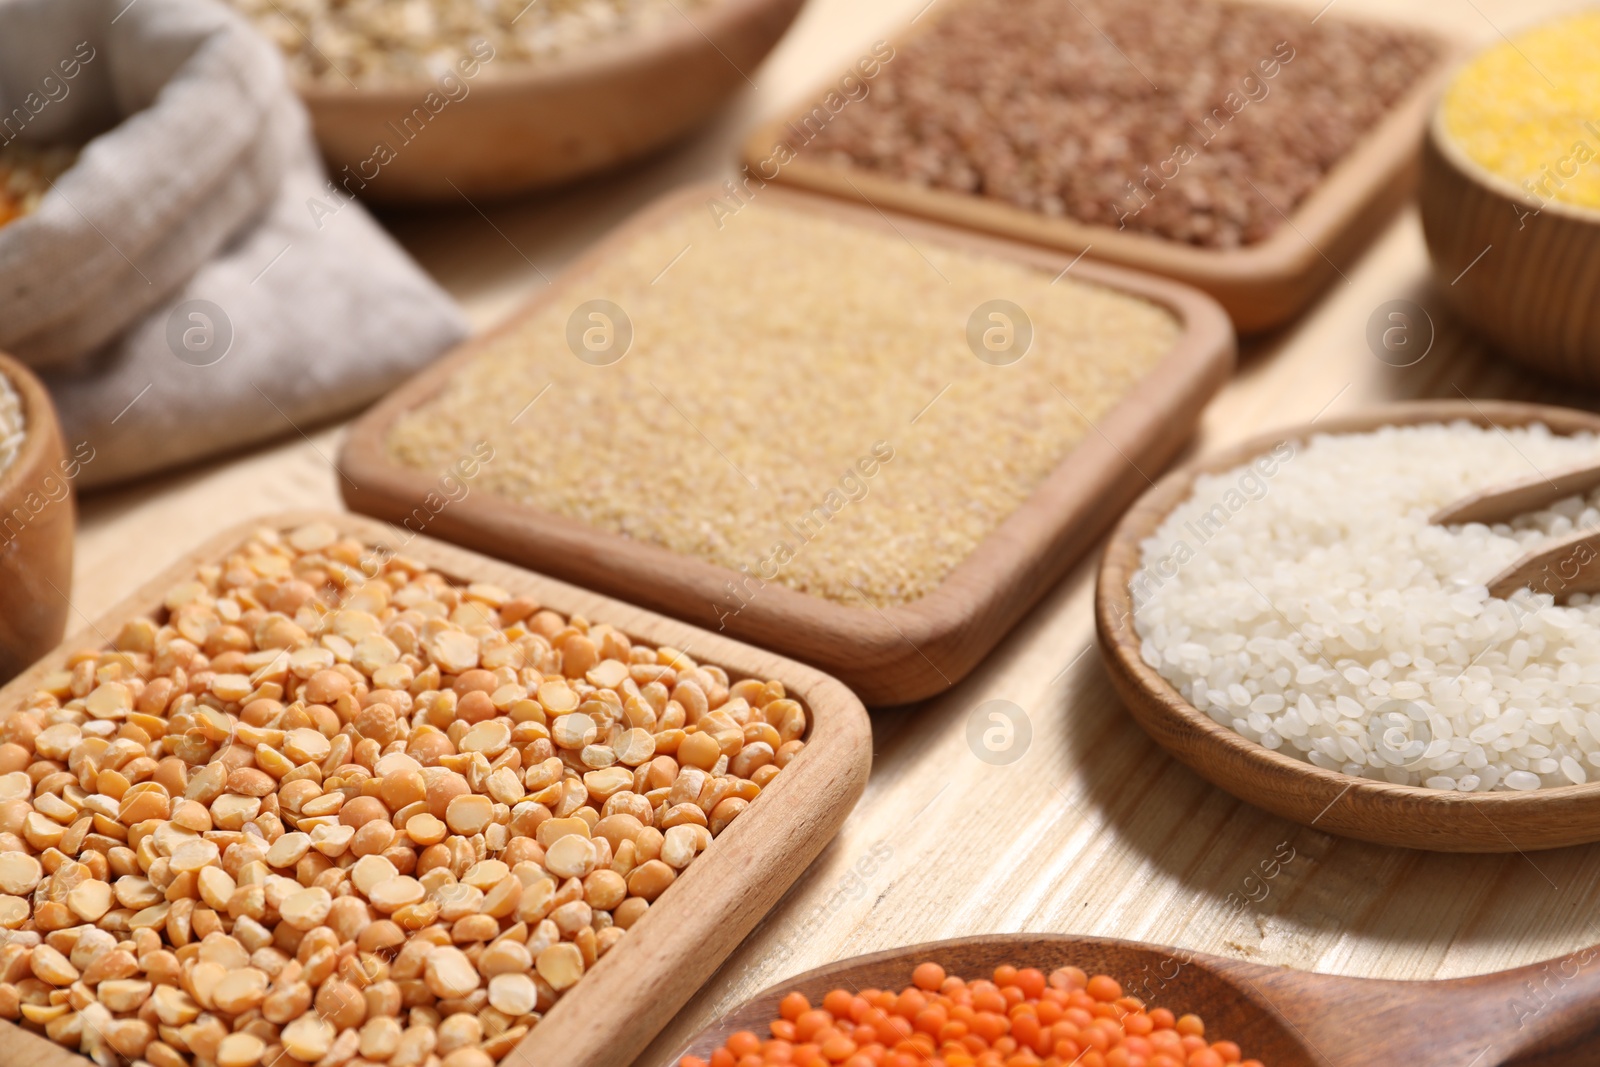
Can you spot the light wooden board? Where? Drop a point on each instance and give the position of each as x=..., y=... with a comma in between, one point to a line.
x=890, y=655
x=1095, y=831
x=1261, y=285
x=631, y=993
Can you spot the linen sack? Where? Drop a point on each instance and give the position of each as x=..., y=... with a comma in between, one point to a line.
x=184, y=288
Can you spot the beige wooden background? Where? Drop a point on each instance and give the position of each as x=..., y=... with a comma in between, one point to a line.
x=1093, y=830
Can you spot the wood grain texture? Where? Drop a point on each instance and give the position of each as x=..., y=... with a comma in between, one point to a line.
x=1283, y=1017
x=1524, y=274
x=1567, y=565
x=36, y=526
x=887, y=655
x=1501, y=503
x=1096, y=829
x=1261, y=286
x=1405, y=816
x=633, y=991
x=527, y=126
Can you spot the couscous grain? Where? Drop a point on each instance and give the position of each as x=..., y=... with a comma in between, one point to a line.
x=800, y=400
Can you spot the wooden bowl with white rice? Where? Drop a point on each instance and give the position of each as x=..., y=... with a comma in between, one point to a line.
x=36, y=520
x=1283, y=619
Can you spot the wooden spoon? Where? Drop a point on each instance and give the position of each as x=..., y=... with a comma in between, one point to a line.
x=1560, y=568
x=1565, y=566
x=1542, y=1015
x=1504, y=502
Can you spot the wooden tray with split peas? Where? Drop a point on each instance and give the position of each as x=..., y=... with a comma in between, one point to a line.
x=324, y=793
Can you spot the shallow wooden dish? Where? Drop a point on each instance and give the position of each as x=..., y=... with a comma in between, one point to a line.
x=1405, y=816
x=1261, y=285
x=526, y=127
x=631, y=993
x=1522, y=273
x=888, y=656
x=36, y=524
x=1282, y=1017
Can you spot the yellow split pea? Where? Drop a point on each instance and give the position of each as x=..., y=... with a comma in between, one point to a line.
x=343, y=861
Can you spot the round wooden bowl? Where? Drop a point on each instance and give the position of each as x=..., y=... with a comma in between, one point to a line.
x=36, y=525
x=1525, y=274
x=1405, y=816
x=526, y=126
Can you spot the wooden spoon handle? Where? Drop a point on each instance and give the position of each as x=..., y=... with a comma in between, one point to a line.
x=1542, y=1015
x=1509, y=1019
x=1502, y=503
x=1560, y=568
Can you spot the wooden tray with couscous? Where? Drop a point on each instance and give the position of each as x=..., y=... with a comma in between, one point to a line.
x=865, y=441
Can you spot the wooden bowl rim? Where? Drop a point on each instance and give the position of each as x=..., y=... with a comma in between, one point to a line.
x=1120, y=642
x=606, y=58
x=1473, y=171
x=1294, y=246
x=39, y=431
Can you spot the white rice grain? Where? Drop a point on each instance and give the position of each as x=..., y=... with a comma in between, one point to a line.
x=1321, y=615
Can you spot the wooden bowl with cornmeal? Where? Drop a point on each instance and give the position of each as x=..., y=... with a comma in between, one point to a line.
x=1510, y=196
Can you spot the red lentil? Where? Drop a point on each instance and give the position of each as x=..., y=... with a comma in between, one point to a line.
x=1018, y=1017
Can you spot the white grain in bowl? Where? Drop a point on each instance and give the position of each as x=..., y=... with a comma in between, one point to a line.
x=13, y=427
x=1308, y=604
x=366, y=43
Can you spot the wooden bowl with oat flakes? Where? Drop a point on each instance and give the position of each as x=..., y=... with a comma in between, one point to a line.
x=496, y=123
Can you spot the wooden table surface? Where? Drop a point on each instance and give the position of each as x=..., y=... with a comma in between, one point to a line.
x=1094, y=830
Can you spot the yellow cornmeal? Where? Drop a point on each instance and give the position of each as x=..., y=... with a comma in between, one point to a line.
x=1528, y=110
x=775, y=360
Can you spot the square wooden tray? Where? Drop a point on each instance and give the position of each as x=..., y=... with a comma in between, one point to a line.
x=634, y=990
x=889, y=655
x=1262, y=285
